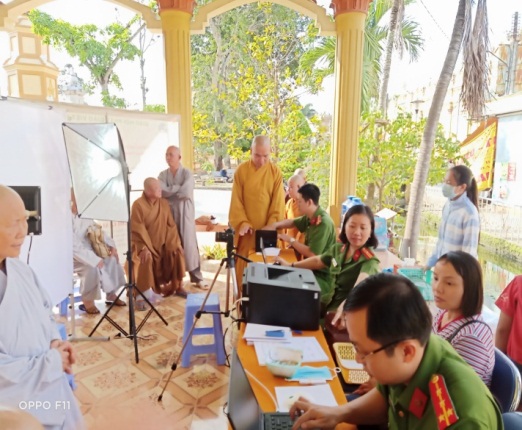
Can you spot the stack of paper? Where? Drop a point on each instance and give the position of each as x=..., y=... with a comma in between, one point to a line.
x=266, y=333
x=312, y=351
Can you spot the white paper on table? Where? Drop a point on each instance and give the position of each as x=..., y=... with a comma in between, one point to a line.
x=312, y=351
x=318, y=394
x=254, y=332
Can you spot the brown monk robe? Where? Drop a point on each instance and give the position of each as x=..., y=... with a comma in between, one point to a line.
x=156, y=246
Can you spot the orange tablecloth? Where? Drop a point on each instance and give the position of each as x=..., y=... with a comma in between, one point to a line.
x=248, y=358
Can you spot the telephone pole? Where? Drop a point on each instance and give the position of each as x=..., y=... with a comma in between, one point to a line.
x=512, y=59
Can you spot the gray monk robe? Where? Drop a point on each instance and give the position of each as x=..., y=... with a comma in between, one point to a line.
x=30, y=371
x=110, y=277
x=179, y=191
x=153, y=227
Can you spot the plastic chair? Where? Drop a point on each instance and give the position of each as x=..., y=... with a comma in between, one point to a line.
x=506, y=384
x=193, y=304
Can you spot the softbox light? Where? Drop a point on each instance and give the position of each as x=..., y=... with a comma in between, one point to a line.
x=98, y=170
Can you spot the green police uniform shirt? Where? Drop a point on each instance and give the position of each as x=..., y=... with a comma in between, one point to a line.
x=345, y=272
x=460, y=399
x=319, y=236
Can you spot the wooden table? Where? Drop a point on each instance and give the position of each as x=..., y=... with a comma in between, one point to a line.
x=248, y=357
x=288, y=254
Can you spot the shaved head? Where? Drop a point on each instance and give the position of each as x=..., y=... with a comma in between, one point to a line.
x=260, y=151
x=300, y=172
x=152, y=189
x=294, y=183
x=173, y=157
x=13, y=223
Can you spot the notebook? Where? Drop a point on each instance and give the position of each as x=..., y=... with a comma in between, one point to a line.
x=269, y=239
x=244, y=411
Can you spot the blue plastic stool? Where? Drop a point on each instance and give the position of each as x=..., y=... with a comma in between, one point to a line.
x=193, y=304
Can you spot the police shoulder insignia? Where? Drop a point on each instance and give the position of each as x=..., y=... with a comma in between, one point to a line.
x=418, y=403
x=442, y=404
x=367, y=253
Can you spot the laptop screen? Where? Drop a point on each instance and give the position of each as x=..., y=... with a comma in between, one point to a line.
x=243, y=409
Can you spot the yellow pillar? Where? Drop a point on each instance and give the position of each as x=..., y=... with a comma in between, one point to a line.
x=175, y=22
x=350, y=16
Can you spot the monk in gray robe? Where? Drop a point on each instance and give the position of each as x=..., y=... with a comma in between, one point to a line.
x=156, y=246
x=177, y=185
x=95, y=272
x=33, y=358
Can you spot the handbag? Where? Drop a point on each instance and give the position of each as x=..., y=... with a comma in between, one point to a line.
x=96, y=238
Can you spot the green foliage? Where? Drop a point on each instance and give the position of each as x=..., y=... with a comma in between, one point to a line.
x=155, y=108
x=98, y=49
x=319, y=62
x=388, y=152
x=214, y=252
x=247, y=82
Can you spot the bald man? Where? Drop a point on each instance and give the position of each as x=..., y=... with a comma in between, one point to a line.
x=257, y=199
x=156, y=245
x=292, y=208
x=177, y=186
x=33, y=358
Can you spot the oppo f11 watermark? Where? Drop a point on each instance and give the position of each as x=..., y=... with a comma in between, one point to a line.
x=57, y=405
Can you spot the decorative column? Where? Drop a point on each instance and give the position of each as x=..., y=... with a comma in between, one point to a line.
x=175, y=22
x=30, y=73
x=350, y=16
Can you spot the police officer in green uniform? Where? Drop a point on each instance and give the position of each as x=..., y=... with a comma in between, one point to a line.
x=319, y=230
x=423, y=384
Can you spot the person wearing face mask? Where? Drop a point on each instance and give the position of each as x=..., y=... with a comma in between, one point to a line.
x=460, y=225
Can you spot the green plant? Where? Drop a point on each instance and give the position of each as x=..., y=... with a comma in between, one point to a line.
x=214, y=252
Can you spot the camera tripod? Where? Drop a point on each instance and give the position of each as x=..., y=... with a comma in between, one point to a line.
x=229, y=261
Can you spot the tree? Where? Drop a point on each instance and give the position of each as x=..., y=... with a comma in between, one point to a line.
x=387, y=151
x=247, y=82
x=475, y=46
x=320, y=60
x=100, y=50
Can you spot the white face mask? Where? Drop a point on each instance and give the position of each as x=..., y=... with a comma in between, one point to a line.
x=448, y=191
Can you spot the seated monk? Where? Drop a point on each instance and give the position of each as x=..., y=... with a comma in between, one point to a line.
x=156, y=246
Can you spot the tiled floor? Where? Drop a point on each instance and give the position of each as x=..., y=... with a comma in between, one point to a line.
x=116, y=393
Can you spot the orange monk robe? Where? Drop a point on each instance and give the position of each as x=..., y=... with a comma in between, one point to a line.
x=258, y=199
x=153, y=227
x=292, y=211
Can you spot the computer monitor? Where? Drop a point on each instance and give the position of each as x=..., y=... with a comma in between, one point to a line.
x=244, y=411
x=32, y=202
x=269, y=239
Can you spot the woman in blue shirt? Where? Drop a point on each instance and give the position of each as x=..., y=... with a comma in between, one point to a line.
x=460, y=225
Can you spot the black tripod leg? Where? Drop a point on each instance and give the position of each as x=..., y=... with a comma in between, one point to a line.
x=152, y=309
x=108, y=318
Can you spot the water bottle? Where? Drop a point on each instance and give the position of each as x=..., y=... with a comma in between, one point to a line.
x=347, y=204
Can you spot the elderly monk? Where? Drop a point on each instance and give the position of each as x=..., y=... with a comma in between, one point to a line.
x=156, y=246
x=177, y=186
x=33, y=358
x=94, y=271
x=292, y=208
x=257, y=199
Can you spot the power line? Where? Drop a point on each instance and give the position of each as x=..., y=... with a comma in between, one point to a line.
x=434, y=20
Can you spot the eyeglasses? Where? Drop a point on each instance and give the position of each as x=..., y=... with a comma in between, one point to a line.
x=363, y=357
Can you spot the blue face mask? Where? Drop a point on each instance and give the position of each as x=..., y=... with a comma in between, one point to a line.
x=305, y=373
x=448, y=191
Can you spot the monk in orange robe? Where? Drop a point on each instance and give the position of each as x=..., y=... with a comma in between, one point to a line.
x=156, y=246
x=257, y=199
x=292, y=209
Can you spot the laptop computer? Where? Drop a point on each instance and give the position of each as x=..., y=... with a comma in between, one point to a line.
x=244, y=411
x=269, y=239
